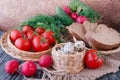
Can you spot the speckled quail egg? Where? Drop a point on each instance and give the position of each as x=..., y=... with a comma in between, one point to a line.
x=79, y=46
x=69, y=48
x=60, y=50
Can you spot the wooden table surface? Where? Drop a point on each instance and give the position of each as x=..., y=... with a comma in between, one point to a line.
x=4, y=76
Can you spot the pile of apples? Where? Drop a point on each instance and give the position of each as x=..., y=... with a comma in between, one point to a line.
x=29, y=39
x=28, y=68
x=74, y=15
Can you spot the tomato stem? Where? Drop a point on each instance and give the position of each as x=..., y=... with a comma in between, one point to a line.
x=43, y=39
x=24, y=37
x=99, y=53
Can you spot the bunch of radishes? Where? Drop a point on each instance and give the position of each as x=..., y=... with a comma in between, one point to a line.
x=74, y=15
x=28, y=68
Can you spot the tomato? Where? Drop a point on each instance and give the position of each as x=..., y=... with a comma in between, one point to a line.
x=23, y=44
x=15, y=34
x=49, y=36
x=81, y=19
x=40, y=44
x=45, y=61
x=31, y=35
x=93, y=59
x=67, y=10
x=26, y=29
x=40, y=30
x=74, y=16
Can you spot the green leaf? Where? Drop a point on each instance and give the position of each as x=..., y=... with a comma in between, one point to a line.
x=42, y=25
x=74, y=5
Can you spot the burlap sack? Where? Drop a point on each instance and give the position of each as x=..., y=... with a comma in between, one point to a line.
x=13, y=12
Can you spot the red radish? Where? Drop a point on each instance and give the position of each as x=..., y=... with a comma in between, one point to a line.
x=11, y=66
x=81, y=19
x=45, y=61
x=74, y=16
x=29, y=68
x=26, y=29
x=40, y=30
x=15, y=34
x=67, y=10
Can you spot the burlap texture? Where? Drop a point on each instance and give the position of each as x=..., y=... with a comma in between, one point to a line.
x=112, y=63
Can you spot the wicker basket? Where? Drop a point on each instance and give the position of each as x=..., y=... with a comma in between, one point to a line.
x=10, y=49
x=70, y=63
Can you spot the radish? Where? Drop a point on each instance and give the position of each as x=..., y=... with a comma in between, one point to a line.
x=11, y=66
x=74, y=16
x=45, y=61
x=81, y=19
x=29, y=68
x=67, y=10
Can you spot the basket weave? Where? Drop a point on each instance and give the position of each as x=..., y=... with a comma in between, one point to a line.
x=70, y=63
x=10, y=49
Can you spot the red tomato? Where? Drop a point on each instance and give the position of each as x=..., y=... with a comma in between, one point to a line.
x=49, y=36
x=74, y=16
x=40, y=44
x=26, y=29
x=67, y=10
x=23, y=44
x=93, y=59
x=31, y=35
x=15, y=34
x=29, y=68
x=11, y=66
x=40, y=30
x=45, y=61
x=81, y=19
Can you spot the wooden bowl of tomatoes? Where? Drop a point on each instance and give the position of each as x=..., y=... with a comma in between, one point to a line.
x=30, y=43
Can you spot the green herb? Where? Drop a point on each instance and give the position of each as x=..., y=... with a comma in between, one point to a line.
x=57, y=32
x=48, y=22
